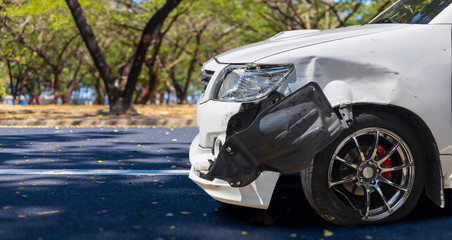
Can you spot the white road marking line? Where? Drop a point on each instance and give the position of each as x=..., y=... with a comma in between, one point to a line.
x=90, y=172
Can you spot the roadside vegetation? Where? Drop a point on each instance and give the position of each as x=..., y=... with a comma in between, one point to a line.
x=142, y=52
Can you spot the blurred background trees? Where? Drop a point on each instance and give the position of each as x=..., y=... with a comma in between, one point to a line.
x=43, y=58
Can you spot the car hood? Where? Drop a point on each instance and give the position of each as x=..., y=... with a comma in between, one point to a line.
x=290, y=40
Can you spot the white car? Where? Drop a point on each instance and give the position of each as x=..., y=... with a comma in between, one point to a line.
x=363, y=112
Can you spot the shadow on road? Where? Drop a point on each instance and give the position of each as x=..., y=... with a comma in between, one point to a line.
x=289, y=208
x=95, y=148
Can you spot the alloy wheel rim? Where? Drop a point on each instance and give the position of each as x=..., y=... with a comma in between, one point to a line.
x=372, y=170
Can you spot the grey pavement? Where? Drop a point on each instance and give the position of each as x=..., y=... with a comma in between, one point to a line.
x=131, y=121
x=54, y=186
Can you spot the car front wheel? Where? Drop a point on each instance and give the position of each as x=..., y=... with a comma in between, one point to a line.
x=372, y=173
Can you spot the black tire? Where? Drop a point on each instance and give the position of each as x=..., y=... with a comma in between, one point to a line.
x=338, y=182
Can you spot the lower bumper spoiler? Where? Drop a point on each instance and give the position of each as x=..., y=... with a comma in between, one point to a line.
x=283, y=138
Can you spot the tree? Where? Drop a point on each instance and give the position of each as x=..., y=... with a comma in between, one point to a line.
x=120, y=88
x=39, y=30
x=197, y=35
x=41, y=41
x=3, y=82
x=262, y=19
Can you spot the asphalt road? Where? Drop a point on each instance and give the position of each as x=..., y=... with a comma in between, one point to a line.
x=54, y=185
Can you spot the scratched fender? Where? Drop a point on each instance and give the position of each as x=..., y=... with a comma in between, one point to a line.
x=284, y=138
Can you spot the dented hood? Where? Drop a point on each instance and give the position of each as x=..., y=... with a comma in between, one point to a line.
x=291, y=40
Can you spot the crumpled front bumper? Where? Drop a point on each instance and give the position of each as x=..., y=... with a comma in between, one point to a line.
x=256, y=195
x=213, y=118
x=241, y=166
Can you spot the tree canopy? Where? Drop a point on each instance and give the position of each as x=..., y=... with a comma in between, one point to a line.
x=44, y=54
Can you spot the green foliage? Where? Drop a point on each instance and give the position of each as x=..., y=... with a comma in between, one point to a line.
x=41, y=37
x=3, y=80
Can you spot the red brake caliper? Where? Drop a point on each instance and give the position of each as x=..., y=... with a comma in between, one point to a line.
x=387, y=163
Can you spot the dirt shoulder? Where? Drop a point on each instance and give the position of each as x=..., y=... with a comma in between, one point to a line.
x=96, y=116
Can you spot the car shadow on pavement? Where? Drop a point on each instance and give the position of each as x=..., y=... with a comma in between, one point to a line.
x=290, y=208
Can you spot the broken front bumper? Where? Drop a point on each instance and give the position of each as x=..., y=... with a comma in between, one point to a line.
x=240, y=160
x=213, y=118
x=257, y=194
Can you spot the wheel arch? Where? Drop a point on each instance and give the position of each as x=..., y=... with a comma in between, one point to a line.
x=434, y=186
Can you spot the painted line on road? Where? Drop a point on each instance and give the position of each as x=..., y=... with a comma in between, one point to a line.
x=90, y=172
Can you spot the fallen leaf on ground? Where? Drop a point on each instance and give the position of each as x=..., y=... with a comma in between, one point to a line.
x=327, y=233
x=99, y=182
x=6, y=207
x=47, y=212
x=185, y=212
x=169, y=215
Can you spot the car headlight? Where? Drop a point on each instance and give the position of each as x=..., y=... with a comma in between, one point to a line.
x=250, y=83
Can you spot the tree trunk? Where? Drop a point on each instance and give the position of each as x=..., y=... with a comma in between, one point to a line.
x=33, y=98
x=56, y=86
x=11, y=80
x=99, y=96
x=161, y=97
x=151, y=87
x=193, y=63
x=120, y=93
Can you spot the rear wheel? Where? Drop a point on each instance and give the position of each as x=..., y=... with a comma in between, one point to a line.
x=371, y=173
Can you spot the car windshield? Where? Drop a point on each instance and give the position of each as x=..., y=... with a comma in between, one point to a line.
x=412, y=11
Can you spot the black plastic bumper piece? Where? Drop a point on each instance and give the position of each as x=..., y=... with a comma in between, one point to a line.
x=284, y=138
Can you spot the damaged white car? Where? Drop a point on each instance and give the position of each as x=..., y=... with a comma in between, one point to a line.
x=363, y=112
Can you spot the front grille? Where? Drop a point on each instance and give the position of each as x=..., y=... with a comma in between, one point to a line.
x=206, y=75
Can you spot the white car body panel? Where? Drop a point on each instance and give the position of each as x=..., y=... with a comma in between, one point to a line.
x=380, y=74
x=281, y=44
x=256, y=195
x=404, y=65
